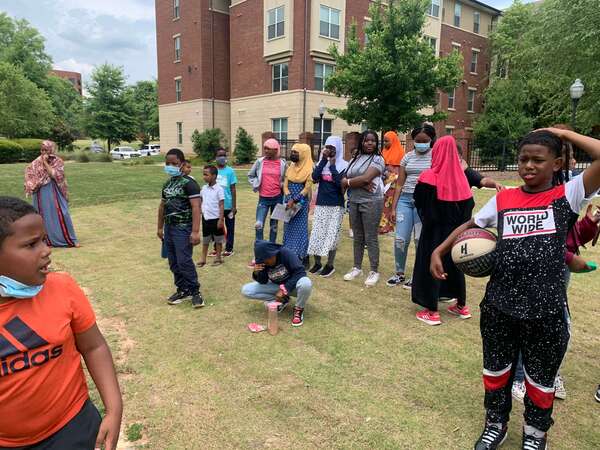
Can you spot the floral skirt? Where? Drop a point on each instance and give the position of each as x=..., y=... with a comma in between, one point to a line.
x=387, y=225
x=326, y=230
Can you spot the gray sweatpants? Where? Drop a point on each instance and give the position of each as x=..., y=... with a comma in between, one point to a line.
x=365, y=218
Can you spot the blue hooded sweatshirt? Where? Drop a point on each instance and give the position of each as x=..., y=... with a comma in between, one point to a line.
x=288, y=268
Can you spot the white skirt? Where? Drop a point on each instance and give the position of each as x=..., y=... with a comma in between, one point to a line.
x=326, y=229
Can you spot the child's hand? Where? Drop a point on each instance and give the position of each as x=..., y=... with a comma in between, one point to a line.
x=563, y=134
x=258, y=267
x=436, y=267
x=195, y=238
x=108, y=434
x=160, y=233
x=220, y=224
x=594, y=216
x=290, y=204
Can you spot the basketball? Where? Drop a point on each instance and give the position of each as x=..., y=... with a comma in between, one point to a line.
x=474, y=252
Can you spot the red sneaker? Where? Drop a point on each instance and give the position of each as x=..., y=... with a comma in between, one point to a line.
x=298, y=318
x=429, y=317
x=463, y=313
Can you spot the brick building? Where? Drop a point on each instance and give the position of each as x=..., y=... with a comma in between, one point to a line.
x=73, y=77
x=262, y=64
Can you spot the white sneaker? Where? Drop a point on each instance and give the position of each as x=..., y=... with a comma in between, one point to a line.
x=559, y=388
x=353, y=274
x=518, y=391
x=372, y=279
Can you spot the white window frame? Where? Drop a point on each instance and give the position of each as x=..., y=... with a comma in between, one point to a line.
x=432, y=41
x=471, y=100
x=278, y=15
x=326, y=70
x=177, y=45
x=329, y=22
x=457, y=17
x=434, y=8
x=449, y=129
x=178, y=89
x=176, y=9
x=317, y=128
x=474, y=59
x=277, y=128
x=476, y=22
x=453, y=97
x=282, y=79
x=179, y=126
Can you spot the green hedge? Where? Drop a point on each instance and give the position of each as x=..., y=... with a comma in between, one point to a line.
x=10, y=151
x=31, y=148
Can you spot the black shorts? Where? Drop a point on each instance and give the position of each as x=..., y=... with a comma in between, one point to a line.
x=79, y=433
x=210, y=231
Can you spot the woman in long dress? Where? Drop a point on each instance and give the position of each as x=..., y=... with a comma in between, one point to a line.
x=45, y=182
x=392, y=153
x=297, y=188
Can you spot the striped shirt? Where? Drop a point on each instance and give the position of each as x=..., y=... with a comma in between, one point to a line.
x=414, y=163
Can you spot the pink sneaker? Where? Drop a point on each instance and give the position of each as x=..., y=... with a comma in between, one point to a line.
x=429, y=317
x=463, y=313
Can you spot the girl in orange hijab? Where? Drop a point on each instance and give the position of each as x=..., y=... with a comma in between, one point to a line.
x=393, y=152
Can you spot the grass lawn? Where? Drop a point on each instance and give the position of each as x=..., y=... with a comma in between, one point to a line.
x=362, y=373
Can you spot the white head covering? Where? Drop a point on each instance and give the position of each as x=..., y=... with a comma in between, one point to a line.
x=340, y=163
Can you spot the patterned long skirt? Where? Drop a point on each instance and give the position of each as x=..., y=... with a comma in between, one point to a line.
x=387, y=225
x=295, y=232
x=52, y=205
x=326, y=230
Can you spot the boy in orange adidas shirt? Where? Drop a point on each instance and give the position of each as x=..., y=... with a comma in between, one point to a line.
x=46, y=325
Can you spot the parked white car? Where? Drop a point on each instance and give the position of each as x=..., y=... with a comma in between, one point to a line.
x=124, y=153
x=150, y=149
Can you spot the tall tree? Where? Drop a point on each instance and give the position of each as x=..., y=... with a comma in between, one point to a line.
x=109, y=112
x=25, y=109
x=389, y=81
x=144, y=98
x=67, y=104
x=23, y=46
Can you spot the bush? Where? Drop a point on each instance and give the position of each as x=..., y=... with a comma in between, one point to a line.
x=67, y=156
x=31, y=148
x=82, y=157
x=101, y=157
x=206, y=143
x=145, y=160
x=10, y=151
x=245, y=148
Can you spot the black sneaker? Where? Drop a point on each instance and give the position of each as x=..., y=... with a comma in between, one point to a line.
x=178, y=297
x=407, y=285
x=491, y=438
x=327, y=271
x=316, y=268
x=597, y=395
x=396, y=280
x=197, y=301
x=531, y=442
x=306, y=262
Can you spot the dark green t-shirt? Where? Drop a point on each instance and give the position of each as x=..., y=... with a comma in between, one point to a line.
x=176, y=195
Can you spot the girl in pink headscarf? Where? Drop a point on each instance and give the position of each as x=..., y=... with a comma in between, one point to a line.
x=45, y=182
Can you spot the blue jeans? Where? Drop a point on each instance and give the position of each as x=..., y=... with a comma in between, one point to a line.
x=265, y=206
x=230, y=227
x=407, y=220
x=266, y=292
x=179, y=253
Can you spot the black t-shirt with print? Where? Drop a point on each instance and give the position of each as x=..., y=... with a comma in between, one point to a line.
x=176, y=195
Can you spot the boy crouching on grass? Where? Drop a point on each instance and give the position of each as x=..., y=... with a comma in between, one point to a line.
x=46, y=325
x=525, y=305
x=179, y=228
x=212, y=200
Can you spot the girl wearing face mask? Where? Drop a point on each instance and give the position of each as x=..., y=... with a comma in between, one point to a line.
x=404, y=212
x=297, y=188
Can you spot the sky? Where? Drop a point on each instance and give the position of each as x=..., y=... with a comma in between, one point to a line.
x=83, y=33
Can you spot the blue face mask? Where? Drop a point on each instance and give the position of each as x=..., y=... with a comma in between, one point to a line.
x=12, y=288
x=172, y=171
x=422, y=147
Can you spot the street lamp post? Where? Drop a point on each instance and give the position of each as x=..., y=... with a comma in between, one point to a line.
x=576, y=91
x=322, y=110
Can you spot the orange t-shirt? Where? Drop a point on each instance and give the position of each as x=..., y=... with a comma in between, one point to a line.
x=42, y=384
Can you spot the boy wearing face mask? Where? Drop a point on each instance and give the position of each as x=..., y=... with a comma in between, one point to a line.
x=227, y=180
x=179, y=226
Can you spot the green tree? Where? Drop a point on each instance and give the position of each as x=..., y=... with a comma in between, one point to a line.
x=390, y=80
x=109, y=112
x=62, y=134
x=25, y=109
x=23, y=46
x=206, y=143
x=144, y=98
x=245, y=148
x=67, y=104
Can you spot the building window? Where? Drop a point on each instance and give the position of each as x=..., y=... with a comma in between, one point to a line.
x=280, y=77
x=434, y=8
x=327, y=124
x=177, y=41
x=365, y=27
x=474, y=58
x=280, y=128
x=456, y=46
x=476, y=21
x=451, y=96
x=276, y=24
x=322, y=71
x=179, y=133
x=175, y=9
x=432, y=42
x=449, y=130
x=471, y=100
x=330, y=22
x=457, y=13
x=178, y=90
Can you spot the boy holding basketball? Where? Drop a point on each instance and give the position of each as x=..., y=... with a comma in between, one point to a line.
x=525, y=305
